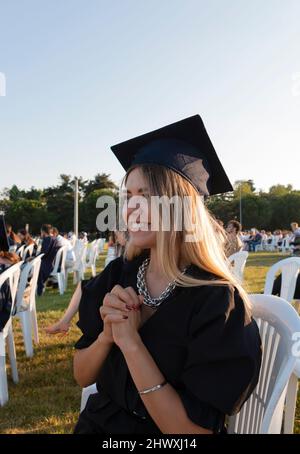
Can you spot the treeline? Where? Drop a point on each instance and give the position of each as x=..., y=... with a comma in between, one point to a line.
x=55, y=204
x=270, y=210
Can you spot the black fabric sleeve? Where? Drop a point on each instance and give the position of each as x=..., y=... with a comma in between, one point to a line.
x=93, y=293
x=223, y=359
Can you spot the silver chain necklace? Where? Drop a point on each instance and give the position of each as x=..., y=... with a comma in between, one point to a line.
x=142, y=287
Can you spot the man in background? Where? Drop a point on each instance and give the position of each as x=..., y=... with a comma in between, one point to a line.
x=234, y=243
x=50, y=246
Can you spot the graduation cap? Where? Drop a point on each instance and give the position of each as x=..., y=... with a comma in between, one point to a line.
x=4, y=246
x=184, y=147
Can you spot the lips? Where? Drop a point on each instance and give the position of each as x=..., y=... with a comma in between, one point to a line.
x=139, y=226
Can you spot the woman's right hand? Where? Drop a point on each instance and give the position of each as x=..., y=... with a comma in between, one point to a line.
x=115, y=308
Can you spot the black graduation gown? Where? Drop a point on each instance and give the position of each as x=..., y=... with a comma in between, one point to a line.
x=199, y=342
x=50, y=247
x=5, y=304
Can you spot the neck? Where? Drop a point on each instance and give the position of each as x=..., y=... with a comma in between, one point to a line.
x=155, y=266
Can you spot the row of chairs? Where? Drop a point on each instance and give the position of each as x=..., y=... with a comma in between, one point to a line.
x=18, y=279
x=289, y=269
x=85, y=258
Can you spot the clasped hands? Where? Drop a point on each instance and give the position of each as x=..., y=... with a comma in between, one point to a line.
x=121, y=315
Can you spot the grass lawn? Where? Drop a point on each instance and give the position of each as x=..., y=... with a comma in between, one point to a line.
x=47, y=399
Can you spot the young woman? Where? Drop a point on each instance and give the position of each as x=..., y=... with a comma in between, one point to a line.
x=167, y=333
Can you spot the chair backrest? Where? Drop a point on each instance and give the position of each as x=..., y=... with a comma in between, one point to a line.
x=11, y=276
x=28, y=251
x=60, y=260
x=111, y=255
x=101, y=242
x=20, y=251
x=278, y=322
x=29, y=276
x=239, y=260
x=80, y=250
x=289, y=269
x=93, y=252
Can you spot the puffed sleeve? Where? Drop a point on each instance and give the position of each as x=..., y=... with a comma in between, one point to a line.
x=93, y=293
x=223, y=358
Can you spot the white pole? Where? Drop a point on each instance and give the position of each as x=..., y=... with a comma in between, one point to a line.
x=241, y=220
x=76, y=208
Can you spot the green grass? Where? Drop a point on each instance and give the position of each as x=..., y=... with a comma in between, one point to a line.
x=47, y=399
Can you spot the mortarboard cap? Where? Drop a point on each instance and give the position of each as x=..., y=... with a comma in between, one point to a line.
x=4, y=246
x=184, y=147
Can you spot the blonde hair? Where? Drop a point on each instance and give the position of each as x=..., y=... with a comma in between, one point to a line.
x=207, y=253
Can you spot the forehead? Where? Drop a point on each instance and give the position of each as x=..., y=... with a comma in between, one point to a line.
x=136, y=180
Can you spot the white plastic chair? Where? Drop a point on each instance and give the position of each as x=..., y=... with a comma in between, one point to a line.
x=12, y=275
x=86, y=392
x=271, y=247
x=263, y=412
x=92, y=257
x=239, y=260
x=28, y=251
x=285, y=247
x=20, y=251
x=111, y=255
x=101, y=243
x=289, y=269
x=59, y=270
x=27, y=314
x=291, y=399
x=80, y=250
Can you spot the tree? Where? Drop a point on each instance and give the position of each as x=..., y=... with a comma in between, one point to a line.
x=100, y=181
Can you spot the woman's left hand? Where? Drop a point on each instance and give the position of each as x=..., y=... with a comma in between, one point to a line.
x=126, y=334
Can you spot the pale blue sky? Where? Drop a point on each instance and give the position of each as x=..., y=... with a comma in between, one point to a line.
x=83, y=75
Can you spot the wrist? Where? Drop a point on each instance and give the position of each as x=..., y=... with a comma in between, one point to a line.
x=131, y=345
x=104, y=340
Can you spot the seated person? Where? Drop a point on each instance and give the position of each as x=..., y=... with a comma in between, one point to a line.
x=13, y=238
x=50, y=247
x=234, y=243
x=254, y=240
x=25, y=237
x=167, y=333
x=6, y=260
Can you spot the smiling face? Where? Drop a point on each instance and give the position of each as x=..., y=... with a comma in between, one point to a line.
x=136, y=211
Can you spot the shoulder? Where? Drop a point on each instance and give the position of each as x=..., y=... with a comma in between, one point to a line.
x=211, y=300
x=115, y=272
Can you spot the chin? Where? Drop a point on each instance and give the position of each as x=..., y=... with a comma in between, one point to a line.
x=143, y=240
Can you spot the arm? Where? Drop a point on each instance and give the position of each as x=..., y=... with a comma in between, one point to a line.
x=88, y=361
x=164, y=405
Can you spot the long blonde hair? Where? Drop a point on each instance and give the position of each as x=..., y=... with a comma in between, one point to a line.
x=208, y=253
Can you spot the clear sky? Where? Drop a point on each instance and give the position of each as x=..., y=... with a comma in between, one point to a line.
x=84, y=75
